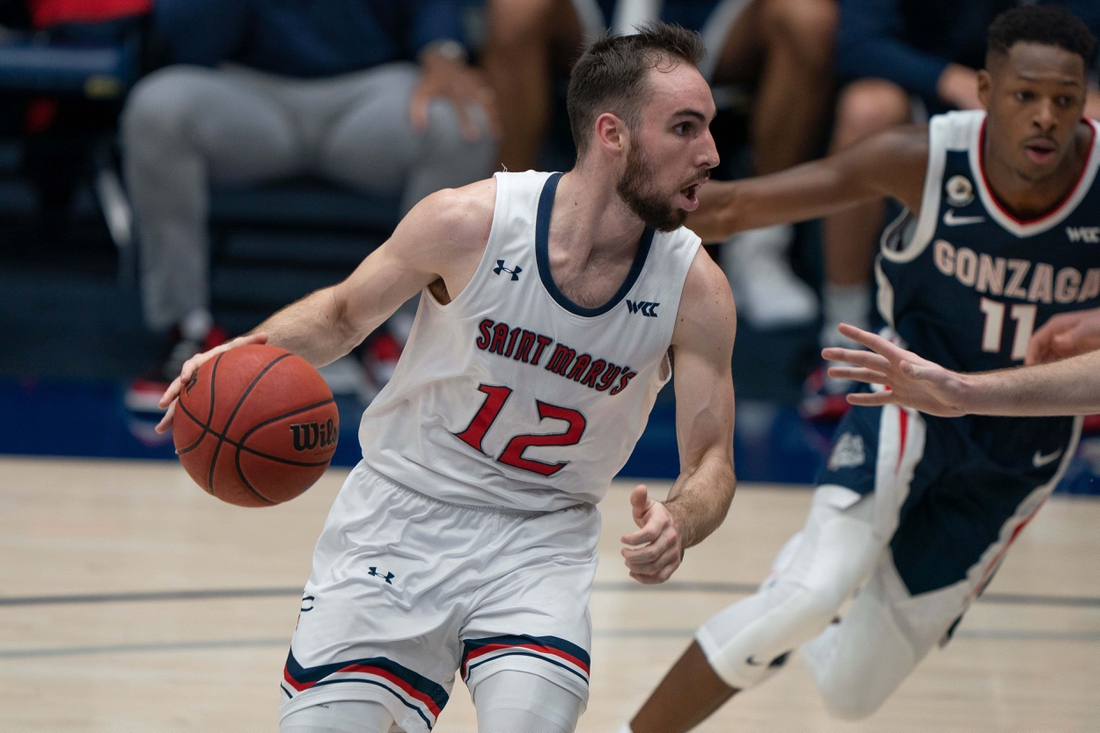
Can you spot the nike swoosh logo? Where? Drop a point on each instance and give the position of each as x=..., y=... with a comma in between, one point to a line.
x=951, y=220
x=753, y=663
x=1039, y=460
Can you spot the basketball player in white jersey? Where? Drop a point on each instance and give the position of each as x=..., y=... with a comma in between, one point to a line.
x=552, y=308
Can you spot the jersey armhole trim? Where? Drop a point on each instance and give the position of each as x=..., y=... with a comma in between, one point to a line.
x=482, y=265
x=929, y=212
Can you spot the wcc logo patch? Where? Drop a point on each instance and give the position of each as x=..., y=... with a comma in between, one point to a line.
x=642, y=306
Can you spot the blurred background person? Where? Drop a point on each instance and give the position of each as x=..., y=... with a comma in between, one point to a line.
x=781, y=49
x=372, y=94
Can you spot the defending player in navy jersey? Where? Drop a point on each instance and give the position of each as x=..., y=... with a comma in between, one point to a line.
x=551, y=309
x=1001, y=232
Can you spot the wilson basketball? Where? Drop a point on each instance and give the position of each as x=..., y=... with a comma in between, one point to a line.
x=255, y=426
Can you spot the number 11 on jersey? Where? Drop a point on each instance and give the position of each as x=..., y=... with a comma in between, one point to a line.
x=512, y=455
x=1024, y=315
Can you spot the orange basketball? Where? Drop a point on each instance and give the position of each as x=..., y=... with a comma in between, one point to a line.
x=256, y=426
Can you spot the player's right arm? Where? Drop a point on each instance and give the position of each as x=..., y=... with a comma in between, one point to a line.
x=1069, y=387
x=890, y=164
x=438, y=244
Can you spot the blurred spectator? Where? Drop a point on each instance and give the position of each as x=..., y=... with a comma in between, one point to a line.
x=781, y=48
x=370, y=93
x=900, y=61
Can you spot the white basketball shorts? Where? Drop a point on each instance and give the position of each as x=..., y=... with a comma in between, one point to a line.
x=406, y=589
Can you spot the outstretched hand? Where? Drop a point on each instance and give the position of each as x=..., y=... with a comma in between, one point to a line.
x=171, y=395
x=911, y=380
x=653, y=552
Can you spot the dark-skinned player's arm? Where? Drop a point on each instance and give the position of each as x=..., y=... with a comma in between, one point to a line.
x=889, y=164
x=1069, y=387
x=441, y=238
x=702, y=350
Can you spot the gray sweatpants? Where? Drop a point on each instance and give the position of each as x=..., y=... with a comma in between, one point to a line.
x=185, y=127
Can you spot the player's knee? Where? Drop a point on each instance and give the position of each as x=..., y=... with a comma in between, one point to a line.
x=868, y=106
x=446, y=141
x=809, y=26
x=158, y=107
x=849, y=702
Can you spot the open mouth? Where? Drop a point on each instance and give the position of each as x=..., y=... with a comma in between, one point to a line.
x=1040, y=151
x=690, y=192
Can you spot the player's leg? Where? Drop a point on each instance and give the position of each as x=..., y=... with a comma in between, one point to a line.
x=381, y=612
x=877, y=461
x=511, y=701
x=748, y=642
x=365, y=139
x=952, y=538
x=526, y=641
x=344, y=716
x=849, y=238
x=786, y=47
x=783, y=49
x=525, y=39
x=859, y=661
x=182, y=128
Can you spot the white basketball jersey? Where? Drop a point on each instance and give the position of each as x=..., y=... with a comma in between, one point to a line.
x=511, y=394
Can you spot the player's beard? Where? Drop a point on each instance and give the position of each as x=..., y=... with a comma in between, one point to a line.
x=648, y=204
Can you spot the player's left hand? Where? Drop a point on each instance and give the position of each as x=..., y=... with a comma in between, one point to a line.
x=463, y=86
x=653, y=552
x=911, y=380
x=1063, y=336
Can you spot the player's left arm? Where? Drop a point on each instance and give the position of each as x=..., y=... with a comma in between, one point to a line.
x=702, y=350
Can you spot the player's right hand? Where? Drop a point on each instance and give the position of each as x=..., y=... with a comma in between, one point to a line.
x=171, y=395
x=910, y=380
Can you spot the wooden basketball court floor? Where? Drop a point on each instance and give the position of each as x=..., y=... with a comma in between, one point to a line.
x=130, y=601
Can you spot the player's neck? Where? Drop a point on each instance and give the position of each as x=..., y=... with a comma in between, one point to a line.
x=1028, y=199
x=589, y=215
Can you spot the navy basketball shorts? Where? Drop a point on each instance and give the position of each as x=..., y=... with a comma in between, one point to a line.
x=406, y=590
x=951, y=495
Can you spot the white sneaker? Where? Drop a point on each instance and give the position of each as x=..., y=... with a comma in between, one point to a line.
x=768, y=294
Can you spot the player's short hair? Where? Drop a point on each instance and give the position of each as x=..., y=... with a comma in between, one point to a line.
x=610, y=76
x=1049, y=25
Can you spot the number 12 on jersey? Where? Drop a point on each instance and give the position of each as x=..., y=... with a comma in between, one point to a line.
x=1024, y=315
x=512, y=455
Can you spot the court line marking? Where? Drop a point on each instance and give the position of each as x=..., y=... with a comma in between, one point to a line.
x=1024, y=599
x=669, y=633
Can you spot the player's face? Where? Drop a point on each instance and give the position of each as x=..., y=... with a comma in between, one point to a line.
x=1035, y=96
x=672, y=151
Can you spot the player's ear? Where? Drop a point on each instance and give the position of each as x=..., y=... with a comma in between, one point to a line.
x=611, y=133
x=985, y=87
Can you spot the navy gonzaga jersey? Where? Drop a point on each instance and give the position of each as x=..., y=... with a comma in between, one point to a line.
x=964, y=283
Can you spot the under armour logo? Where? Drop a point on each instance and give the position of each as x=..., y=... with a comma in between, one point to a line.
x=388, y=577
x=644, y=307
x=501, y=268
x=307, y=603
